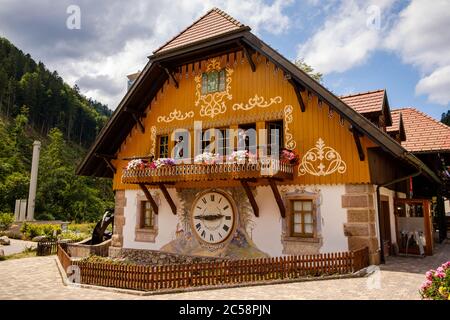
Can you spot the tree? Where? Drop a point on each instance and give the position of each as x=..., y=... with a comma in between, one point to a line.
x=446, y=118
x=300, y=63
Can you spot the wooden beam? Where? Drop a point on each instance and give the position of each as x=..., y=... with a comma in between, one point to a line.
x=248, y=55
x=138, y=113
x=107, y=160
x=298, y=91
x=149, y=198
x=278, y=199
x=356, y=136
x=138, y=121
x=106, y=156
x=169, y=74
x=166, y=194
x=250, y=197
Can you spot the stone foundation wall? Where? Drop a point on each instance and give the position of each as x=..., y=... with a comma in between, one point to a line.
x=119, y=218
x=360, y=229
x=154, y=257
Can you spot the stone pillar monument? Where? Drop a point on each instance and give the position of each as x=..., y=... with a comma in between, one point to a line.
x=33, y=180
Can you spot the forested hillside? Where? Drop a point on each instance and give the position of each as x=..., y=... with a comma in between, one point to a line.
x=36, y=104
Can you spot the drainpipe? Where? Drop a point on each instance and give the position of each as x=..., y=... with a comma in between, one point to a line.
x=382, y=260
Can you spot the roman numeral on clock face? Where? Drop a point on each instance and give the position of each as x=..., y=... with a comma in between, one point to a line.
x=211, y=237
x=203, y=233
x=225, y=227
x=198, y=226
x=225, y=208
x=204, y=200
x=227, y=217
x=212, y=198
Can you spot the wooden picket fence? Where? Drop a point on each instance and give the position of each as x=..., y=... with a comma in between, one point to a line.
x=229, y=272
x=46, y=248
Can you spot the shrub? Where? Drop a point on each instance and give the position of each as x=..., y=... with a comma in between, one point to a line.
x=437, y=283
x=75, y=236
x=6, y=220
x=82, y=227
x=31, y=230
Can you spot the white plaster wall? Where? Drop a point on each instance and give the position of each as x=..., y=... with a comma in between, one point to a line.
x=267, y=232
x=333, y=219
x=391, y=195
x=267, y=227
x=166, y=221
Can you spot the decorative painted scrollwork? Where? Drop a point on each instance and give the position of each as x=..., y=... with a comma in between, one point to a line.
x=257, y=101
x=321, y=160
x=289, y=139
x=213, y=104
x=153, y=140
x=176, y=115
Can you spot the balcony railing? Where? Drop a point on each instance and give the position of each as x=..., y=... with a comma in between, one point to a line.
x=261, y=168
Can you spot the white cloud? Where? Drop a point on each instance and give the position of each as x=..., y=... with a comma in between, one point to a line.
x=116, y=37
x=436, y=86
x=348, y=36
x=421, y=37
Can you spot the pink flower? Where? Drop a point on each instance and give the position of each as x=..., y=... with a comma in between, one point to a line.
x=426, y=285
x=429, y=275
x=439, y=274
x=446, y=265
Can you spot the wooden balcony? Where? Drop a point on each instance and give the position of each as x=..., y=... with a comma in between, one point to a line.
x=261, y=168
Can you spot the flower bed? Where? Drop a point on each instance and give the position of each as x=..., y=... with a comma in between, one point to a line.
x=437, y=283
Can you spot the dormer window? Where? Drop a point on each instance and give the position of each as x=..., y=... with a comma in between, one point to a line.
x=213, y=81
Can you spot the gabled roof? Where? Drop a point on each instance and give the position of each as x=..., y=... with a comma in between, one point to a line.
x=157, y=72
x=398, y=125
x=370, y=102
x=214, y=23
x=423, y=133
x=366, y=102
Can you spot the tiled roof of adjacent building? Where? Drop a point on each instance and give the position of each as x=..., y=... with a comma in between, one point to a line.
x=395, y=121
x=423, y=133
x=366, y=102
x=215, y=22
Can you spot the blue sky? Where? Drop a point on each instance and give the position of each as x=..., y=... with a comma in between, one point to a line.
x=358, y=45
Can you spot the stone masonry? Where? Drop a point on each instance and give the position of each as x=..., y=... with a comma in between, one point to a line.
x=360, y=229
x=119, y=219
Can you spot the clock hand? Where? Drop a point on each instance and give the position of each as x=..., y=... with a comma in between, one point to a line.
x=209, y=217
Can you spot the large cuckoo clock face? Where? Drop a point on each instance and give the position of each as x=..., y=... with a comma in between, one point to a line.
x=213, y=217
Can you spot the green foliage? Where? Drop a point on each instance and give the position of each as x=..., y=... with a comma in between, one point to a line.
x=36, y=104
x=300, y=63
x=6, y=220
x=446, y=118
x=75, y=236
x=82, y=227
x=31, y=230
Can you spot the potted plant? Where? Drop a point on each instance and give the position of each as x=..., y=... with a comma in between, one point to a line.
x=289, y=157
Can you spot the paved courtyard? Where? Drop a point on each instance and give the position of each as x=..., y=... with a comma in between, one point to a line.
x=400, y=278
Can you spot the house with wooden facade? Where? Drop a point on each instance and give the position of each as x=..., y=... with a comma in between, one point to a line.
x=222, y=147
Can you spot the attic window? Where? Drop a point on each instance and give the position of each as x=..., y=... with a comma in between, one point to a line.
x=213, y=81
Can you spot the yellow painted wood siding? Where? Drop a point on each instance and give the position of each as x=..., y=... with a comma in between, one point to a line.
x=318, y=122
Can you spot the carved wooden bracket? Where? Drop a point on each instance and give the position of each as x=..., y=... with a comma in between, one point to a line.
x=107, y=158
x=248, y=55
x=169, y=199
x=298, y=91
x=276, y=194
x=149, y=198
x=136, y=117
x=356, y=136
x=250, y=197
